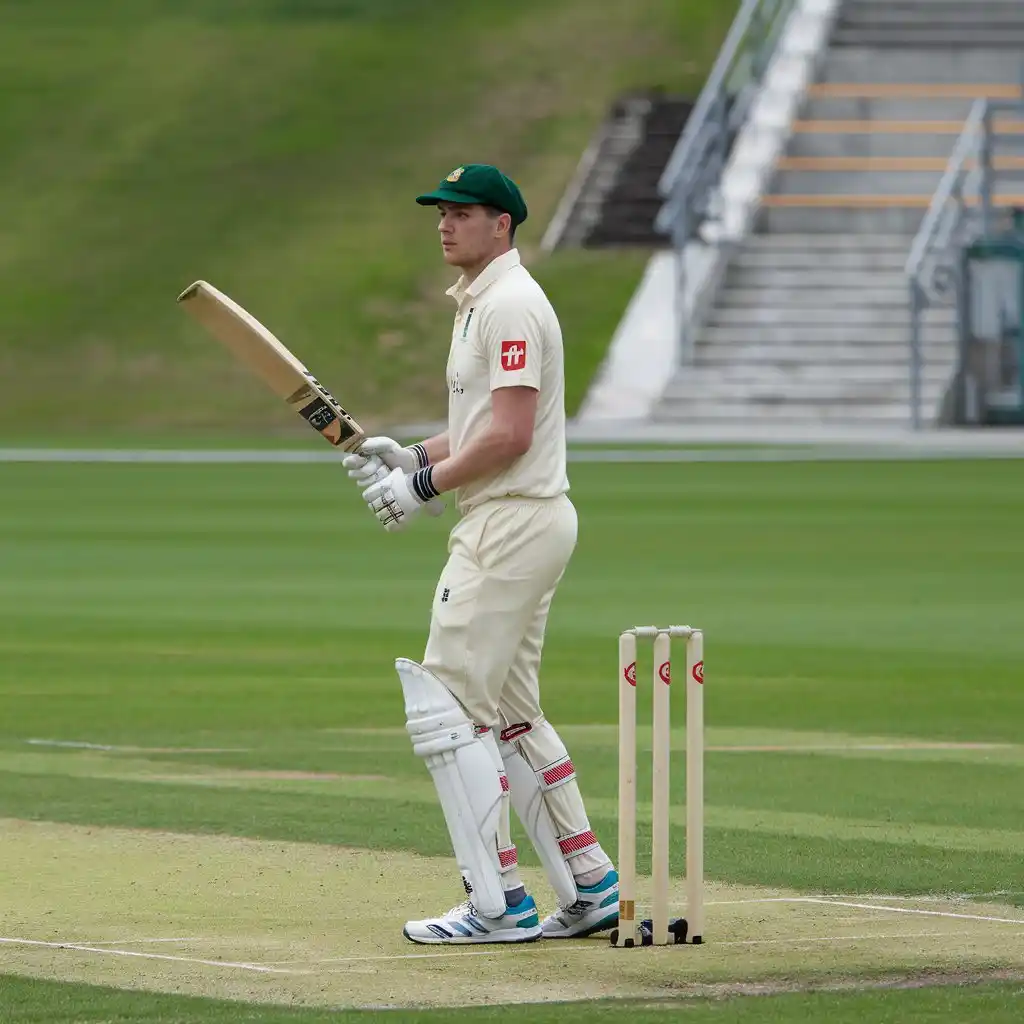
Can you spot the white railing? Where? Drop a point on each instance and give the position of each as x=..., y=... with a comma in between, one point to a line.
x=961, y=210
x=690, y=181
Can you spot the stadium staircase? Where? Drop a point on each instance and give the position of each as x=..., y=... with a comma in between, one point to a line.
x=811, y=323
x=615, y=198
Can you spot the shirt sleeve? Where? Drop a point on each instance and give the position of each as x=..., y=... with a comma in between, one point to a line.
x=512, y=338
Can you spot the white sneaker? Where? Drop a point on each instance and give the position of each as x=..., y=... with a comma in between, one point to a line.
x=462, y=924
x=596, y=910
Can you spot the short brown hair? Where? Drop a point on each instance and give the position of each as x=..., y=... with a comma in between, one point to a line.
x=495, y=211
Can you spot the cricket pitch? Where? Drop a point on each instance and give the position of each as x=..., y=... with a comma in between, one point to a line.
x=308, y=924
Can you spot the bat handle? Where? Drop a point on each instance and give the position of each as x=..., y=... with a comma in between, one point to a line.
x=435, y=507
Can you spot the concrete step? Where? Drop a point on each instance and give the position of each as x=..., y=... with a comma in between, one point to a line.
x=849, y=183
x=886, y=109
x=836, y=355
x=1005, y=166
x=772, y=278
x=794, y=262
x=840, y=143
x=784, y=375
x=769, y=403
x=907, y=30
x=834, y=302
x=965, y=14
x=837, y=218
x=1008, y=123
x=819, y=244
x=970, y=90
x=739, y=412
x=909, y=65
x=895, y=36
x=871, y=335
x=924, y=7
x=862, y=315
x=791, y=392
x=728, y=329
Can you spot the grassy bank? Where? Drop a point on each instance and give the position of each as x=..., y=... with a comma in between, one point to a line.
x=274, y=148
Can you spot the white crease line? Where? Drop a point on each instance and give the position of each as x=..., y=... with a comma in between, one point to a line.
x=836, y=899
x=149, y=956
x=760, y=899
x=527, y=947
x=908, y=910
x=823, y=896
x=838, y=748
x=73, y=744
x=140, y=942
x=949, y=897
x=82, y=745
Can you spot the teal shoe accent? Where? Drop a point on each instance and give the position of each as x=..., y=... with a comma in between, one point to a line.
x=595, y=910
x=527, y=907
x=610, y=879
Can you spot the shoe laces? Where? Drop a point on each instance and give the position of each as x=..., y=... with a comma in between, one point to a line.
x=466, y=906
x=577, y=908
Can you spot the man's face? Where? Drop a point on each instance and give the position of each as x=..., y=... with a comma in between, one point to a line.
x=470, y=234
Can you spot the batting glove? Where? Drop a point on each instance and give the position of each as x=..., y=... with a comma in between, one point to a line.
x=377, y=456
x=398, y=498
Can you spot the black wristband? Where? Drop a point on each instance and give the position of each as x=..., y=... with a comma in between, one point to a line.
x=421, y=456
x=423, y=484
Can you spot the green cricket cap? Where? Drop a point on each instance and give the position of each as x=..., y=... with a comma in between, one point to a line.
x=479, y=183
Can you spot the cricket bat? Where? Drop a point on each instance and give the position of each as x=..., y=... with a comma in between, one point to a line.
x=267, y=357
x=280, y=369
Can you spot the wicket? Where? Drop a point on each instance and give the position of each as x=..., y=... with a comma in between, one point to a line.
x=660, y=930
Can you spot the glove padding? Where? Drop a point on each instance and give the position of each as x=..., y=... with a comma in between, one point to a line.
x=377, y=457
x=377, y=453
x=393, y=500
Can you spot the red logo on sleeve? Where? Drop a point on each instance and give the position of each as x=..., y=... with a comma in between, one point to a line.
x=513, y=355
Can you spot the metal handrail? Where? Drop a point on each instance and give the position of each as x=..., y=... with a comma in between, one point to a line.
x=963, y=201
x=934, y=227
x=931, y=267
x=694, y=168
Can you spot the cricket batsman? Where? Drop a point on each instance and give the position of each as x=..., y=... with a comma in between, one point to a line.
x=473, y=706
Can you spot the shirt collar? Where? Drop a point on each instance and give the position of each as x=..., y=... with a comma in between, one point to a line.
x=498, y=266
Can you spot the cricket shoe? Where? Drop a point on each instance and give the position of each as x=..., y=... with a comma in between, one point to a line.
x=463, y=925
x=595, y=910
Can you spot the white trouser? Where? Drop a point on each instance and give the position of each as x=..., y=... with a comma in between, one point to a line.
x=490, y=614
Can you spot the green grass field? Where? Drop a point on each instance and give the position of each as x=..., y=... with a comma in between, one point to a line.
x=275, y=147
x=203, y=761
x=79, y=1004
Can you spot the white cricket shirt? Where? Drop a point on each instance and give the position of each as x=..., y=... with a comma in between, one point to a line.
x=506, y=334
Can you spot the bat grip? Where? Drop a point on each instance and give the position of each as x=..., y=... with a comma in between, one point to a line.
x=434, y=507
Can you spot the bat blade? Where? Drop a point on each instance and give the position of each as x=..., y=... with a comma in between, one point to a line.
x=286, y=375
